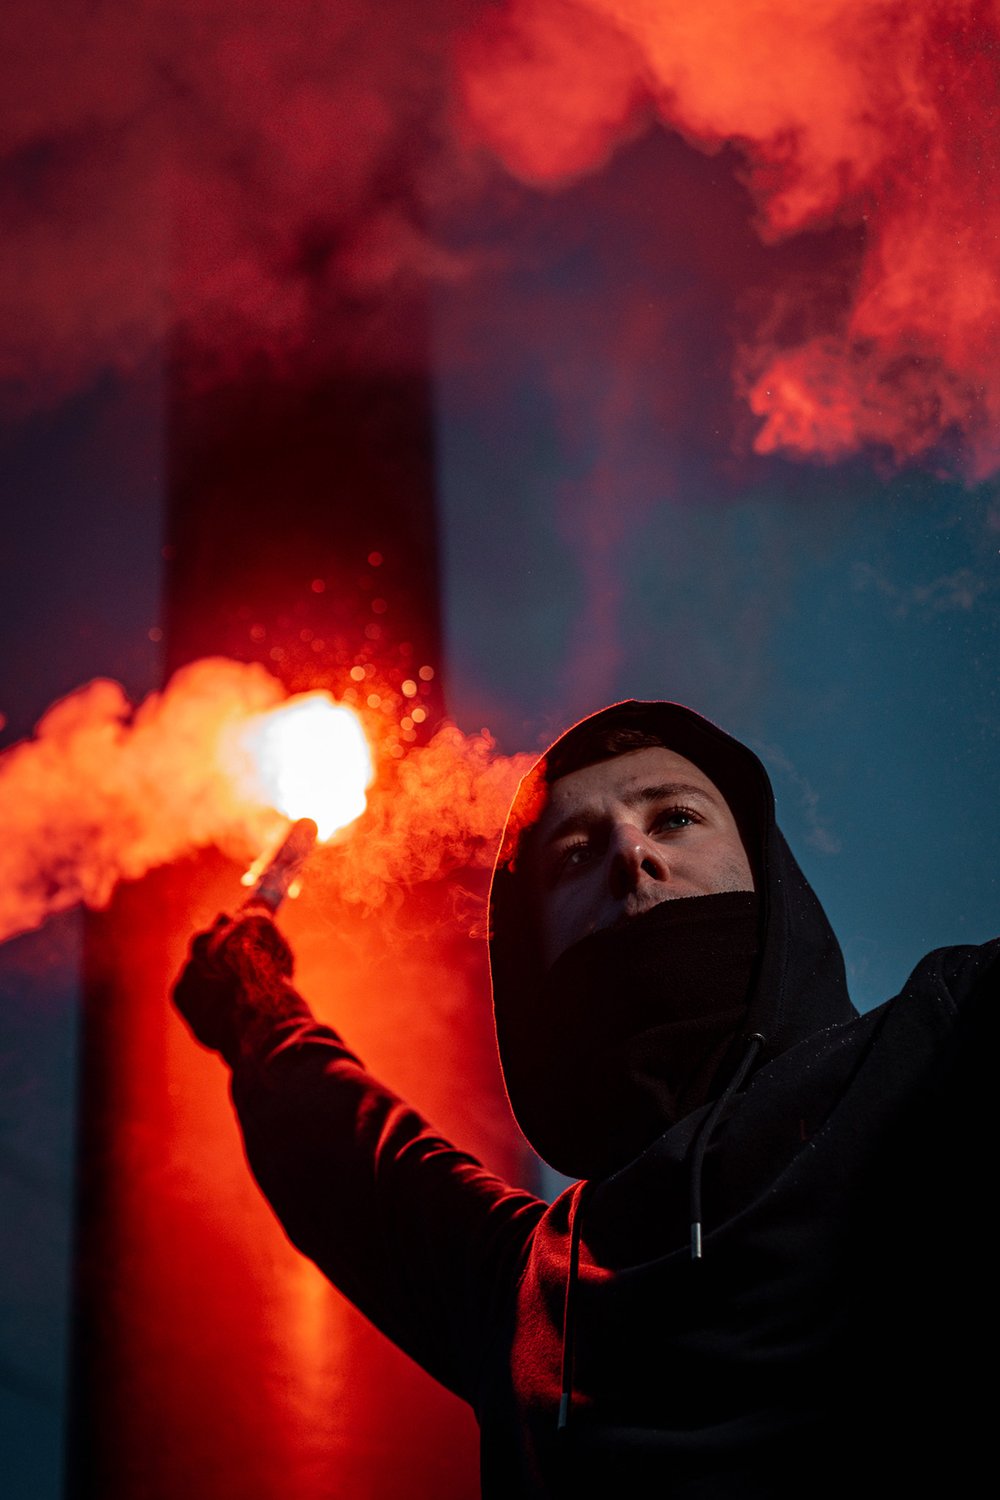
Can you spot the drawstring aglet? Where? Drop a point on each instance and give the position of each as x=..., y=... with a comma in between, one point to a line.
x=563, y=1421
x=696, y=1240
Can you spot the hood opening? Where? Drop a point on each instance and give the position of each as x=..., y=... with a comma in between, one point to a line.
x=810, y=969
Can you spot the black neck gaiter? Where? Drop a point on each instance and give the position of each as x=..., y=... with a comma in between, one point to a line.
x=633, y=1024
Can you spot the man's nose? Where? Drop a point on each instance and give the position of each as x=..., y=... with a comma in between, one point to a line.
x=634, y=857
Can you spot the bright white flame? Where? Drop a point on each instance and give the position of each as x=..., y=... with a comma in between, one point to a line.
x=311, y=760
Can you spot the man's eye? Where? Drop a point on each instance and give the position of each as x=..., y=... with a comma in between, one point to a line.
x=675, y=818
x=571, y=859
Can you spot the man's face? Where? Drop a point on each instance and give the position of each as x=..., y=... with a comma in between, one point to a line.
x=618, y=837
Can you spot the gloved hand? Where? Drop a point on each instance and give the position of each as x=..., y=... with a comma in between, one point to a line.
x=236, y=970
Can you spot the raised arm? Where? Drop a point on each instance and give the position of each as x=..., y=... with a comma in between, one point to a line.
x=420, y=1237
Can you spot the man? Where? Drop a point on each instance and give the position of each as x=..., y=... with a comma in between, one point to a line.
x=756, y=1288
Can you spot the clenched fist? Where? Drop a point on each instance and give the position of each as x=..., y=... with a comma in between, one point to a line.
x=237, y=970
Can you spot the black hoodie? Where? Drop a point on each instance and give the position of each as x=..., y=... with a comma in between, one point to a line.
x=822, y=1339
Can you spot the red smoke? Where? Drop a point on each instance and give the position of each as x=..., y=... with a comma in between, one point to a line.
x=873, y=112
x=103, y=793
x=259, y=180
x=240, y=174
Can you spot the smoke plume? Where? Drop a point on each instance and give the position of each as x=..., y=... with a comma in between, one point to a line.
x=879, y=113
x=258, y=180
x=104, y=792
x=241, y=177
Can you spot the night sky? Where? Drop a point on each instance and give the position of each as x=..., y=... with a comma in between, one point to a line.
x=600, y=298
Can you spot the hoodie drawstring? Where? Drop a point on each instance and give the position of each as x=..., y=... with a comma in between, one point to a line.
x=755, y=1042
x=569, y=1312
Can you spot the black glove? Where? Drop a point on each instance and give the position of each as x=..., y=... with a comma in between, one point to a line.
x=236, y=971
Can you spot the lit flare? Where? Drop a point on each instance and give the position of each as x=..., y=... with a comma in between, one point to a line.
x=311, y=759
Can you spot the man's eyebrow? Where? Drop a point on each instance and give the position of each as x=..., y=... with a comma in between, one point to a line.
x=640, y=796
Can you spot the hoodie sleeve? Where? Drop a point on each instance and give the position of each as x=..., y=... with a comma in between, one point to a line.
x=419, y=1236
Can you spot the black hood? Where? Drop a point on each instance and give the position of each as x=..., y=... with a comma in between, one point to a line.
x=799, y=985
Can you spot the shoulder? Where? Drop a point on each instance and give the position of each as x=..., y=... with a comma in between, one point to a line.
x=945, y=1019
x=955, y=977
x=944, y=1009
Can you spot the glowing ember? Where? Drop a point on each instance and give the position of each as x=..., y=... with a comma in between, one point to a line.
x=311, y=760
